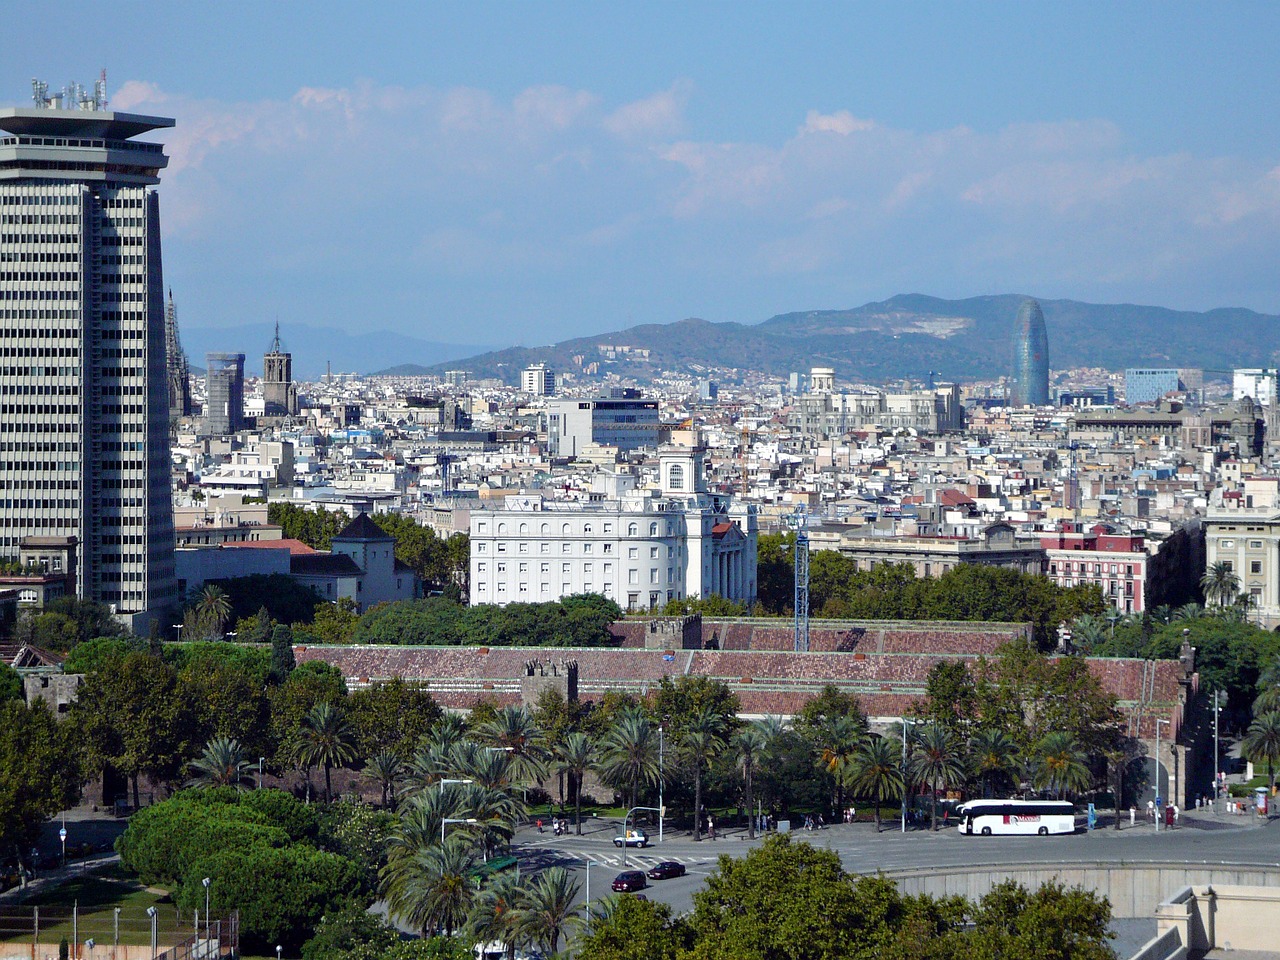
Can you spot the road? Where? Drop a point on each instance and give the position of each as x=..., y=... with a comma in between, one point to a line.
x=1200, y=840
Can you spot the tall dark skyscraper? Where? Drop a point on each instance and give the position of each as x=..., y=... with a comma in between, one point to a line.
x=1029, y=378
x=84, y=404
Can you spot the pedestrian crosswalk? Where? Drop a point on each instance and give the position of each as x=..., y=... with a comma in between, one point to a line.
x=638, y=860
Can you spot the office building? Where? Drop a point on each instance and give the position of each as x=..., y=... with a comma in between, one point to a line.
x=623, y=419
x=224, y=394
x=279, y=392
x=1147, y=385
x=827, y=415
x=84, y=400
x=640, y=548
x=538, y=379
x=177, y=368
x=1029, y=376
x=1260, y=385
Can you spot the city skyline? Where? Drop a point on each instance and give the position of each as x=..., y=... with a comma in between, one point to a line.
x=566, y=171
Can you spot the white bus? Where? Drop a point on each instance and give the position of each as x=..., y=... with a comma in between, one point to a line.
x=1043, y=817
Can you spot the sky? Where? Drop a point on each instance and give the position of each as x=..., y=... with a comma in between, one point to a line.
x=524, y=172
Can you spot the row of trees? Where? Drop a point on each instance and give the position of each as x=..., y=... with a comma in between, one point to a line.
x=894, y=592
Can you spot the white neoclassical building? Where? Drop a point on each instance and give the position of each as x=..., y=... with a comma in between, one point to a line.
x=639, y=547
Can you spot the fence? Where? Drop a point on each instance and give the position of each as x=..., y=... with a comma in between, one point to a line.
x=103, y=932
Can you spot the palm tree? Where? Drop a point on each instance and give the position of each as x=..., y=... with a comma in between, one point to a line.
x=1219, y=584
x=877, y=772
x=214, y=607
x=513, y=732
x=700, y=743
x=838, y=738
x=495, y=914
x=991, y=752
x=1059, y=764
x=325, y=739
x=548, y=908
x=496, y=813
x=937, y=762
x=386, y=769
x=1262, y=742
x=429, y=888
x=751, y=744
x=629, y=753
x=576, y=755
x=222, y=764
x=1188, y=611
x=1088, y=630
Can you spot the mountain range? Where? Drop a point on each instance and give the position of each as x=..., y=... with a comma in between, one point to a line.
x=912, y=335
x=313, y=348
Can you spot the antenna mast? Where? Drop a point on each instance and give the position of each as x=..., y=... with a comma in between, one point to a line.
x=801, y=627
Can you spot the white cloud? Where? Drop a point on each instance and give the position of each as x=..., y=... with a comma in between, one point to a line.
x=655, y=117
x=842, y=122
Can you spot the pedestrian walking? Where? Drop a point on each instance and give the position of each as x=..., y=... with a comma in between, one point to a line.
x=711, y=827
x=1133, y=815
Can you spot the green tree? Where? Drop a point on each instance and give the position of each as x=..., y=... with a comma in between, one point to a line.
x=1052, y=923
x=332, y=622
x=750, y=745
x=634, y=930
x=214, y=607
x=629, y=754
x=386, y=769
x=282, y=659
x=133, y=716
x=39, y=770
x=344, y=930
x=950, y=698
x=391, y=715
x=877, y=772
x=548, y=908
x=1262, y=742
x=1059, y=765
x=430, y=888
x=325, y=739
x=1219, y=584
x=315, y=528
x=576, y=756
x=992, y=753
x=936, y=760
x=10, y=684
x=701, y=740
x=223, y=763
x=495, y=913
x=513, y=731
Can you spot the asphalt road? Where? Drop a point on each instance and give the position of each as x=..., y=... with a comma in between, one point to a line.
x=1199, y=840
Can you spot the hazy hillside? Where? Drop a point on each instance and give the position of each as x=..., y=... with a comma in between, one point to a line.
x=912, y=334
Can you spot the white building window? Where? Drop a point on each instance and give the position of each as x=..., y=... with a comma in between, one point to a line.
x=675, y=478
x=633, y=530
x=633, y=553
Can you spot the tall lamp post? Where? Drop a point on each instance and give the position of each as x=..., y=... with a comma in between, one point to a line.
x=448, y=820
x=1216, y=711
x=662, y=807
x=1160, y=801
x=206, y=881
x=905, y=721
x=151, y=912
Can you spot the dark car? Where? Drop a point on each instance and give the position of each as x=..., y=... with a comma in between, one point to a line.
x=666, y=870
x=628, y=881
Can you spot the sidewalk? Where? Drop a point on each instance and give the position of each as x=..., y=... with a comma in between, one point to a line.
x=51, y=878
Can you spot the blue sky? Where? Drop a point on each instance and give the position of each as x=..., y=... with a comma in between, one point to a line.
x=525, y=172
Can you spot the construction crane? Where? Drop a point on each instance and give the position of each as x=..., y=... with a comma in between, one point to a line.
x=800, y=631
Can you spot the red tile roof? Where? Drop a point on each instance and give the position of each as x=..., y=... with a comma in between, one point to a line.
x=296, y=548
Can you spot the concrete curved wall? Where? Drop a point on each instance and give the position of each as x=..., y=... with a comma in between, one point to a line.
x=1133, y=889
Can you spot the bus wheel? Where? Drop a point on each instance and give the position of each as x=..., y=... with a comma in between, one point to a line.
x=1044, y=831
x=986, y=831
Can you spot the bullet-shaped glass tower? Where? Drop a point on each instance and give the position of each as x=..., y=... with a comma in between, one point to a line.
x=1029, y=378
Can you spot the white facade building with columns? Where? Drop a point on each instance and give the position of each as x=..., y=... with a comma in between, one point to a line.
x=638, y=547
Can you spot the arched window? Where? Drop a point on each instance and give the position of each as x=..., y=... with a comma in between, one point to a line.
x=675, y=477
x=546, y=529
x=586, y=530
x=653, y=529
x=565, y=529
x=524, y=528
x=633, y=530
x=502, y=528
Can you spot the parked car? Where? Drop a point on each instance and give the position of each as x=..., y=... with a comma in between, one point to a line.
x=666, y=870
x=632, y=838
x=629, y=881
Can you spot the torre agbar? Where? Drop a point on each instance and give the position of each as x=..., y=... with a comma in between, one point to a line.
x=84, y=412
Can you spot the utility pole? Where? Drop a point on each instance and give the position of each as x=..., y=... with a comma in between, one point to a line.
x=1215, y=750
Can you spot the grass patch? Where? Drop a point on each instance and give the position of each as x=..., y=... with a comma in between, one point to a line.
x=94, y=898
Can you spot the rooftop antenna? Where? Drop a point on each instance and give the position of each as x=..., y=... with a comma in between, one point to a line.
x=40, y=93
x=801, y=626
x=275, y=344
x=100, y=91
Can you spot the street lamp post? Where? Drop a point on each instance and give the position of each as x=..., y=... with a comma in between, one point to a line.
x=448, y=820
x=905, y=721
x=1216, y=711
x=662, y=807
x=260, y=762
x=206, y=881
x=1159, y=800
x=178, y=627
x=152, y=912
x=62, y=835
